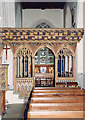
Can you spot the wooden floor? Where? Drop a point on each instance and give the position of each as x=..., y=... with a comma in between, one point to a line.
x=57, y=103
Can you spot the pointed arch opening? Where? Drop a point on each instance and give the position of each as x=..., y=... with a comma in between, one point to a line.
x=44, y=67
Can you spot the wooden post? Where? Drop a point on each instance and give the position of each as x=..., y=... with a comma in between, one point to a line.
x=24, y=66
x=61, y=66
x=33, y=71
x=56, y=71
x=19, y=66
x=14, y=72
x=0, y=60
x=6, y=77
x=68, y=66
x=1, y=53
x=74, y=68
x=28, y=66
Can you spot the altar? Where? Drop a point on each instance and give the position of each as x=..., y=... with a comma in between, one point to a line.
x=44, y=79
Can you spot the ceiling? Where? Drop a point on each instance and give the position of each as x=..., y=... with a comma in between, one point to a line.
x=42, y=5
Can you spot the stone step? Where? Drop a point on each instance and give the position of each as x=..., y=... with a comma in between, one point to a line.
x=57, y=106
x=55, y=114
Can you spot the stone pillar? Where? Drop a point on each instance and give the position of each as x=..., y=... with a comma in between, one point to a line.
x=7, y=13
x=79, y=65
x=68, y=17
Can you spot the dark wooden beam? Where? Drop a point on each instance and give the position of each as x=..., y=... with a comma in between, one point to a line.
x=42, y=5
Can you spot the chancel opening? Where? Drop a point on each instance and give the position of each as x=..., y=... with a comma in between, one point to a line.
x=44, y=67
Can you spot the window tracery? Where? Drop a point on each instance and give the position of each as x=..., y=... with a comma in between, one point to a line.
x=65, y=63
x=43, y=25
x=24, y=63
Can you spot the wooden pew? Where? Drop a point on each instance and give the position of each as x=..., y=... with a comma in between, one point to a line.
x=61, y=84
x=57, y=106
x=57, y=94
x=55, y=114
x=58, y=91
x=66, y=84
x=60, y=102
x=55, y=88
x=76, y=99
x=72, y=84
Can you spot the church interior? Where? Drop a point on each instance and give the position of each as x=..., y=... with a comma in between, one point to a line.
x=42, y=60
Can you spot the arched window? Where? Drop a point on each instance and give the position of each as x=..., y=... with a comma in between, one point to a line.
x=65, y=63
x=24, y=63
x=43, y=25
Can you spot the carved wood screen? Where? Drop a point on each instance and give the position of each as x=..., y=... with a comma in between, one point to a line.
x=65, y=63
x=24, y=63
x=36, y=39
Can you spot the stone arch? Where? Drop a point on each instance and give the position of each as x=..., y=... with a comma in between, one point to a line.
x=43, y=20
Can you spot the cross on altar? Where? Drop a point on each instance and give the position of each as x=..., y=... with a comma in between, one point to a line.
x=6, y=51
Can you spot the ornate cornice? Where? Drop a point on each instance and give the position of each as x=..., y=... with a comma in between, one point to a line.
x=71, y=35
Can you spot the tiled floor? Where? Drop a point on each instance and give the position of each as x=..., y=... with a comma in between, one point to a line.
x=14, y=112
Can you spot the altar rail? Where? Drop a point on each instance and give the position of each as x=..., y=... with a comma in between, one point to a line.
x=4, y=76
x=44, y=79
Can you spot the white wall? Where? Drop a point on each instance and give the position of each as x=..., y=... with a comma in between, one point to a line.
x=84, y=45
x=7, y=19
x=32, y=17
x=80, y=52
x=10, y=67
